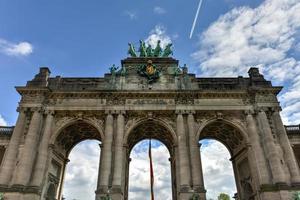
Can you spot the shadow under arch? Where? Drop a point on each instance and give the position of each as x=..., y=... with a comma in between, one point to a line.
x=155, y=129
x=150, y=128
x=230, y=134
x=234, y=137
x=74, y=131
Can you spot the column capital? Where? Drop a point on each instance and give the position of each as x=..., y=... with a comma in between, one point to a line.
x=21, y=109
x=276, y=109
x=36, y=109
x=249, y=112
x=49, y=112
x=191, y=112
x=182, y=112
x=109, y=112
x=120, y=112
x=262, y=109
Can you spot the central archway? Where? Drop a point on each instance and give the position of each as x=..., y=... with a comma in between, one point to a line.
x=232, y=136
x=152, y=129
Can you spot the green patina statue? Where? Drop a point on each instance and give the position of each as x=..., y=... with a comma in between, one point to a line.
x=167, y=51
x=131, y=50
x=149, y=51
x=157, y=50
x=113, y=69
x=142, y=49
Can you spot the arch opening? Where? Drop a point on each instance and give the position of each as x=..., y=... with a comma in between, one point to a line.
x=225, y=134
x=76, y=154
x=80, y=180
x=163, y=140
x=139, y=171
x=217, y=169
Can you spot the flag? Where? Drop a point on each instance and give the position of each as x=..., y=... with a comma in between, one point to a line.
x=151, y=171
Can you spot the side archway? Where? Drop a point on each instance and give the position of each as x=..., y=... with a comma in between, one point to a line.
x=62, y=142
x=236, y=141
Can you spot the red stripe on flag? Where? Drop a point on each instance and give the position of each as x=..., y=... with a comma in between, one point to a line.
x=151, y=171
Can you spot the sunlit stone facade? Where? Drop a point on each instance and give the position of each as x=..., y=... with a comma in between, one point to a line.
x=127, y=106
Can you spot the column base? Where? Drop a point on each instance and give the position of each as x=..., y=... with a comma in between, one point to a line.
x=187, y=193
x=21, y=196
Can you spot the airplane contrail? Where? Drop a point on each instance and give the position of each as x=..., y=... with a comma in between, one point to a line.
x=195, y=19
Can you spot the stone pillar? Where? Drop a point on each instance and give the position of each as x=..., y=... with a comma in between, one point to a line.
x=42, y=157
x=105, y=166
x=272, y=154
x=184, y=167
x=288, y=151
x=99, y=168
x=24, y=168
x=257, y=151
x=119, y=154
x=196, y=167
x=10, y=156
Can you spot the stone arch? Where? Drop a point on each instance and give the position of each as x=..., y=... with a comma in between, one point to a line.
x=66, y=136
x=157, y=124
x=234, y=137
x=239, y=130
x=73, y=121
x=155, y=129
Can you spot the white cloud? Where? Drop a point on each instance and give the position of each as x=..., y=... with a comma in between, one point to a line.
x=15, y=49
x=263, y=37
x=158, y=33
x=2, y=121
x=81, y=172
x=217, y=169
x=159, y=10
x=139, y=174
x=131, y=14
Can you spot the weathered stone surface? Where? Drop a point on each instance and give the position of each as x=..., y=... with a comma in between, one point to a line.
x=121, y=109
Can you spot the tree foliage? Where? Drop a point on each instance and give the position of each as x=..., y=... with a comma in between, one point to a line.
x=223, y=196
x=296, y=196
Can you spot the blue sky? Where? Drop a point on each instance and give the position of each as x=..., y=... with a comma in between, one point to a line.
x=76, y=38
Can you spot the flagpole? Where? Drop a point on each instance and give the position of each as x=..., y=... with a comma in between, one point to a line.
x=151, y=171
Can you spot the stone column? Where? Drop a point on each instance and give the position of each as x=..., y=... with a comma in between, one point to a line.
x=42, y=157
x=272, y=154
x=196, y=167
x=10, y=156
x=257, y=150
x=105, y=166
x=29, y=152
x=119, y=152
x=288, y=151
x=99, y=168
x=184, y=167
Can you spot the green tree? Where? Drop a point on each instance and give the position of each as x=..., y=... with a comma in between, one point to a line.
x=1, y=196
x=296, y=196
x=223, y=196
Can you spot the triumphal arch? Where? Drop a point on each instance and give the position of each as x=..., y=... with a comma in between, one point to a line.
x=148, y=96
